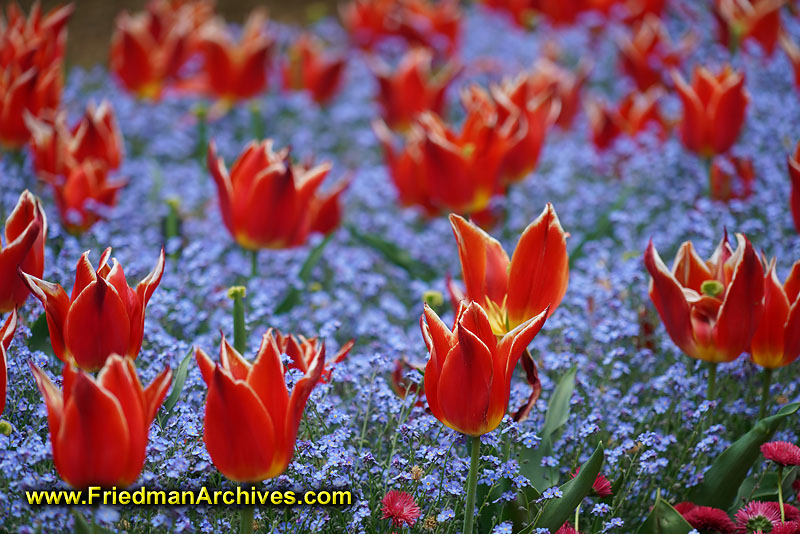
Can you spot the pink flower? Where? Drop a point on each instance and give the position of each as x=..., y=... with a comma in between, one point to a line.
x=601, y=486
x=400, y=507
x=757, y=516
x=567, y=528
x=706, y=518
x=781, y=452
x=790, y=527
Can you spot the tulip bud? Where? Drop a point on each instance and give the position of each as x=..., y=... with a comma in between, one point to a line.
x=433, y=298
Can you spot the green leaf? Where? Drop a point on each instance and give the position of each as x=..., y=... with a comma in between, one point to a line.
x=40, y=335
x=81, y=525
x=664, y=519
x=395, y=255
x=294, y=295
x=767, y=489
x=722, y=480
x=556, y=418
x=557, y=511
x=177, y=386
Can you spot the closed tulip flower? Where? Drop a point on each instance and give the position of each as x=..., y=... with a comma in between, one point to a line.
x=25, y=234
x=793, y=163
x=6, y=335
x=513, y=291
x=412, y=87
x=102, y=316
x=748, y=20
x=710, y=309
x=776, y=342
x=310, y=68
x=268, y=202
x=714, y=109
x=99, y=426
x=251, y=420
x=468, y=376
x=303, y=352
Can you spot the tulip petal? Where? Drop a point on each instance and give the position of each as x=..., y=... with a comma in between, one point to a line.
x=294, y=414
x=56, y=306
x=232, y=361
x=727, y=111
x=239, y=433
x=689, y=268
x=53, y=400
x=266, y=378
x=219, y=173
x=206, y=365
x=792, y=284
x=92, y=445
x=694, y=127
x=484, y=263
x=6, y=335
x=84, y=275
x=539, y=271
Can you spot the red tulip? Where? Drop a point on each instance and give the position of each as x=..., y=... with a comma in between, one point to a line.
x=99, y=426
x=413, y=87
x=57, y=150
x=560, y=12
x=309, y=68
x=636, y=113
x=236, y=71
x=793, y=162
x=776, y=342
x=303, y=352
x=401, y=386
x=522, y=12
x=85, y=196
x=268, y=202
x=514, y=291
x=6, y=335
x=713, y=109
x=742, y=20
x=731, y=178
x=793, y=52
x=468, y=376
x=534, y=112
x=564, y=85
x=649, y=52
x=710, y=308
x=102, y=316
x=251, y=420
x=39, y=39
x=25, y=234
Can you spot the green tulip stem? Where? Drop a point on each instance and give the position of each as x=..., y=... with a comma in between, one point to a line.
x=237, y=294
x=246, y=518
x=253, y=263
x=765, y=393
x=711, y=389
x=472, y=483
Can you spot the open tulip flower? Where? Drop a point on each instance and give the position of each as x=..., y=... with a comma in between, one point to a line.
x=512, y=292
x=776, y=342
x=268, y=202
x=303, y=352
x=99, y=426
x=793, y=162
x=85, y=195
x=564, y=85
x=636, y=113
x=25, y=234
x=57, y=149
x=149, y=49
x=251, y=420
x=31, y=54
x=742, y=20
x=235, y=71
x=648, y=53
x=468, y=375
x=6, y=335
x=412, y=87
x=102, y=316
x=710, y=309
x=714, y=109
x=310, y=68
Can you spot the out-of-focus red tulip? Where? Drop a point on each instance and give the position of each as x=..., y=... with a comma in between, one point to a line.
x=534, y=113
x=268, y=202
x=742, y=20
x=102, y=316
x=560, y=12
x=714, y=108
x=793, y=162
x=310, y=68
x=303, y=351
x=57, y=149
x=468, y=375
x=731, y=178
x=31, y=53
x=149, y=49
x=251, y=420
x=236, y=71
x=776, y=342
x=637, y=10
x=513, y=291
x=434, y=25
x=522, y=12
x=710, y=308
x=85, y=196
x=99, y=426
x=413, y=87
x=563, y=84
x=6, y=335
x=636, y=113
x=25, y=234
x=648, y=52
x=793, y=52
x=402, y=386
